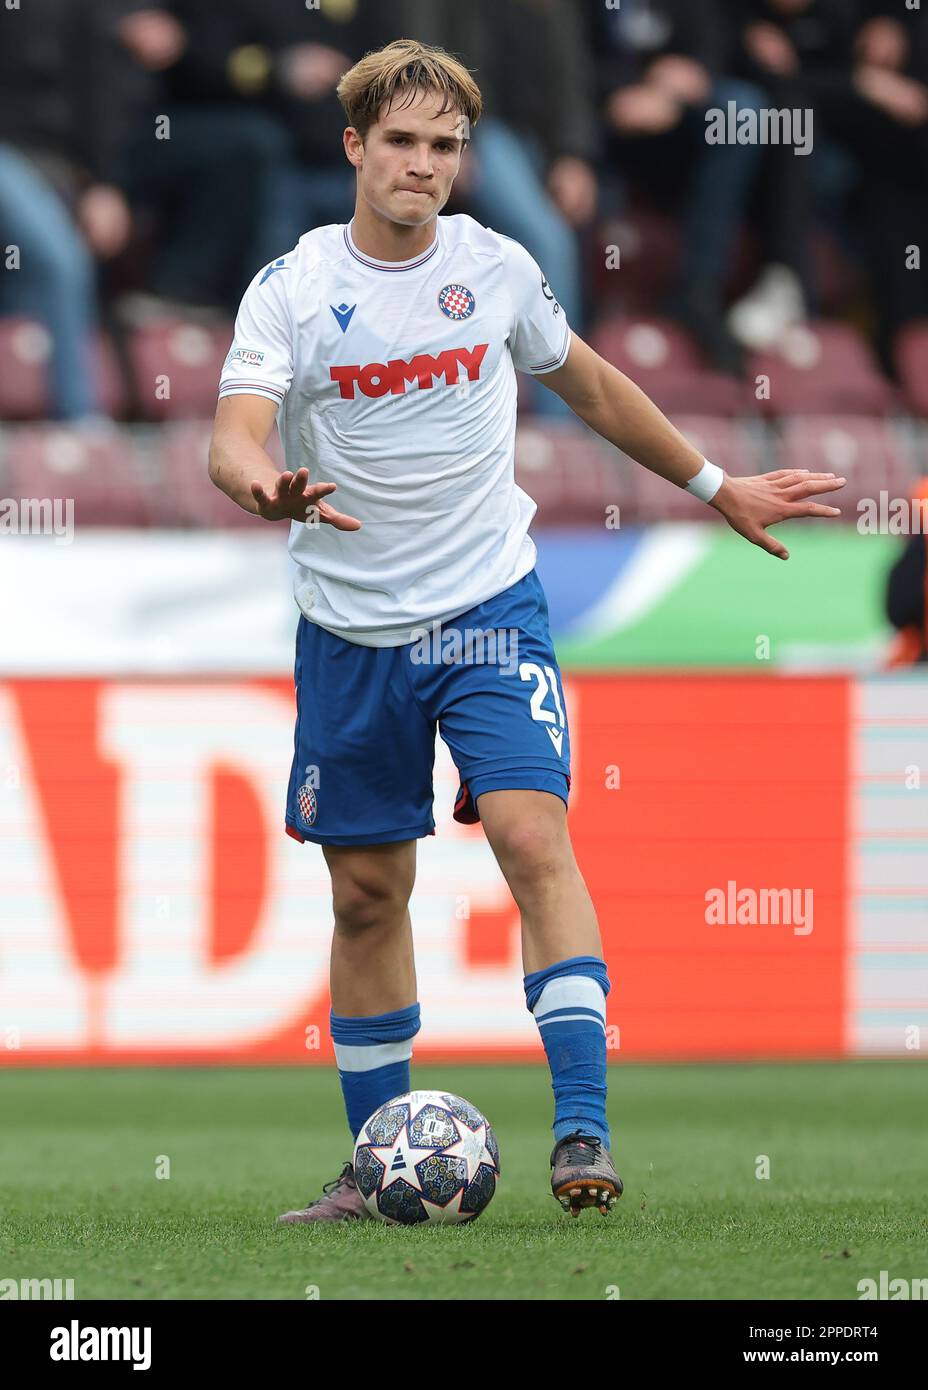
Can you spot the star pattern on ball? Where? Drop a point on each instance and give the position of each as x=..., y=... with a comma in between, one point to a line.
x=438, y=1212
x=421, y=1100
x=399, y=1160
x=472, y=1147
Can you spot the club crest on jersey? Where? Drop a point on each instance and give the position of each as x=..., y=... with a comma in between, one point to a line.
x=457, y=302
x=306, y=804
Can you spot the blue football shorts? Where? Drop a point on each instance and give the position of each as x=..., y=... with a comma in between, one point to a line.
x=364, y=746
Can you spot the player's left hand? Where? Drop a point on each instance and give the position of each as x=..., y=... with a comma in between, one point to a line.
x=751, y=504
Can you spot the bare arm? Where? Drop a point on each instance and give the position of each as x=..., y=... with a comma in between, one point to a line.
x=240, y=467
x=611, y=404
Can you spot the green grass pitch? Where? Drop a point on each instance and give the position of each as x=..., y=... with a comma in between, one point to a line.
x=846, y=1145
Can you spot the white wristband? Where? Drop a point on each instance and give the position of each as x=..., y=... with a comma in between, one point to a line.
x=706, y=483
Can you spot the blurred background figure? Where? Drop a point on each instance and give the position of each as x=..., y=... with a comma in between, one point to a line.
x=254, y=154
x=906, y=597
x=659, y=67
x=63, y=119
x=796, y=51
x=861, y=67
x=890, y=135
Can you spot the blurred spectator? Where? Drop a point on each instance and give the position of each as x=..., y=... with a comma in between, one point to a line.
x=534, y=157
x=892, y=73
x=293, y=77
x=205, y=176
x=905, y=594
x=661, y=66
x=62, y=116
x=863, y=73
x=794, y=49
x=311, y=50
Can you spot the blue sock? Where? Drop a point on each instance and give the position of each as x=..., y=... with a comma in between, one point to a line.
x=372, y=1055
x=568, y=1000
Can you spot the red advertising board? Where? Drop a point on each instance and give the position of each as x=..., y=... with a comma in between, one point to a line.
x=154, y=910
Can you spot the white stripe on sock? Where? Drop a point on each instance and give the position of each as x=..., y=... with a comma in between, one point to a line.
x=350, y=1057
x=571, y=991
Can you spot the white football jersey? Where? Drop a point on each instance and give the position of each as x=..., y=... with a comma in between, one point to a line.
x=396, y=380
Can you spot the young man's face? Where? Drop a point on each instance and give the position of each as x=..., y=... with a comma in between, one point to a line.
x=409, y=158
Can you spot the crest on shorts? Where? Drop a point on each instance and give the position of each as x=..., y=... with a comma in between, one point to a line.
x=306, y=804
x=457, y=302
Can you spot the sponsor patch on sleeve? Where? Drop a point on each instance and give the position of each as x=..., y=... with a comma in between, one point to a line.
x=251, y=357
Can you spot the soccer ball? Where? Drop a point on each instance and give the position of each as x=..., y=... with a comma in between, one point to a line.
x=426, y=1156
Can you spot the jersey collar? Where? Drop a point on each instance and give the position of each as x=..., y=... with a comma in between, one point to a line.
x=393, y=266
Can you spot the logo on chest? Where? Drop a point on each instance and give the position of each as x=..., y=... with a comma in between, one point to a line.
x=393, y=377
x=457, y=302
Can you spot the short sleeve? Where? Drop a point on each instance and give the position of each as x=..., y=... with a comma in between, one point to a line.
x=540, y=334
x=260, y=361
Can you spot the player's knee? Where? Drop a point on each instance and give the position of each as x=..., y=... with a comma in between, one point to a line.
x=366, y=900
x=532, y=851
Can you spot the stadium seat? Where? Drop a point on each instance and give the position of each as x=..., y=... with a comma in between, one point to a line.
x=872, y=454
x=102, y=470
x=112, y=382
x=642, y=272
x=176, y=367
x=661, y=357
x=189, y=498
x=837, y=276
x=572, y=475
x=823, y=369
x=911, y=353
x=25, y=348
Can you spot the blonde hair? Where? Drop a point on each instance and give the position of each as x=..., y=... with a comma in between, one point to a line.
x=410, y=67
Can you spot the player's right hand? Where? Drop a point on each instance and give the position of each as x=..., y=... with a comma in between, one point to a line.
x=294, y=496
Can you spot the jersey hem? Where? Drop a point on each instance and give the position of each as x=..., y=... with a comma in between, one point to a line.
x=426, y=624
x=555, y=362
x=494, y=767
x=247, y=389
